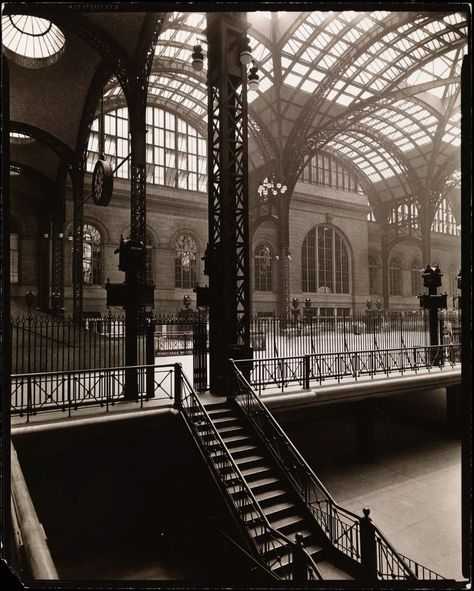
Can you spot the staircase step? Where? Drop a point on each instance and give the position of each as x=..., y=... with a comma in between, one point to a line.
x=233, y=441
x=217, y=406
x=255, y=472
x=268, y=497
x=245, y=462
x=226, y=421
x=229, y=429
x=289, y=523
x=263, y=483
x=330, y=571
x=278, y=509
x=243, y=450
x=286, y=559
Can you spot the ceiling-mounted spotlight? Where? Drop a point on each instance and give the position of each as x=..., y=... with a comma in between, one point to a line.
x=253, y=77
x=198, y=58
x=246, y=53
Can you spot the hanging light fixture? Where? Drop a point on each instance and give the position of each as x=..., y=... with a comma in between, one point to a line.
x=253, y=77
x=271, y=186
x=198, y=58
x=246, y=53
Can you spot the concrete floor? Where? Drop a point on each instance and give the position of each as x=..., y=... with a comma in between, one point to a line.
x=414, y=493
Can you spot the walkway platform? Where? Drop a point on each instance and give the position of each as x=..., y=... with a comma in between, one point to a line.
x=293, y=397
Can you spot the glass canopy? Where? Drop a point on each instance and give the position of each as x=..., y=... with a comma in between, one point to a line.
x=381, y=88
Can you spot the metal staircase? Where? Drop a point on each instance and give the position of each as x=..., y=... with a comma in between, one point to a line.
x=283, y=510
x=289, y=522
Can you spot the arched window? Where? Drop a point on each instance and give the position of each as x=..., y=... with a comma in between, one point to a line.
x=185, y=262
x=325, y=261
x=373, y=275
x=176, y=154
x=263, y=268
x=92, y=256
x=444, y=221
x=395, y=276
x=416, y=279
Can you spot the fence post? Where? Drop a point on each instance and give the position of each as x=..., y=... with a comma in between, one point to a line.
x=306, y=372
x=299, y=560
x=368, y=546
x=150, y=358
x=178, y=386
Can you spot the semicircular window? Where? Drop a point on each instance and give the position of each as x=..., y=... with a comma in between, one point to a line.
x=30, y=41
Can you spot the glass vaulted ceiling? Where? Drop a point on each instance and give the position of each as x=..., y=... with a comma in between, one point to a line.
x=395, y=71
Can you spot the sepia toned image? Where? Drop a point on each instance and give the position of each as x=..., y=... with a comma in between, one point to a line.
x=235, y=295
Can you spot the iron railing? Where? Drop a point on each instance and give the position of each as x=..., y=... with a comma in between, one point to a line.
x=273, y=548
x=304, y=370
x=46, y=343
x=68, y=391
x=345, y=530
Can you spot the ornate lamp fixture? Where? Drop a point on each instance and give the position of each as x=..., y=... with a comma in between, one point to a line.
x=198, y=58
x=253, y=77
x=271, y=186
x=246, y=53
x=245, y=59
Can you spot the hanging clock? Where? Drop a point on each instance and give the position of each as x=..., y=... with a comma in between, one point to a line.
x=102, y=183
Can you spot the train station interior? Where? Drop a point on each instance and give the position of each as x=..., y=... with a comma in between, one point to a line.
x=236, y=295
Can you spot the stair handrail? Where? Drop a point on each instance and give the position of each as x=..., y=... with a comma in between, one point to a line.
x=36, y=551
x=264, y=523
x=334, y=508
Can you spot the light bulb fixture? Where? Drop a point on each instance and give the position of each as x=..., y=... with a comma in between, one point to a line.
x=246, y=53
x=253, y=77
x=198, y=58
x=271, y=186
x=60, y=235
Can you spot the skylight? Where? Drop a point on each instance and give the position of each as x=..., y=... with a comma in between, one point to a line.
x=30, y=41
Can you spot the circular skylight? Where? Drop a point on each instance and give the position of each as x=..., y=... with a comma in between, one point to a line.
x=30, y=41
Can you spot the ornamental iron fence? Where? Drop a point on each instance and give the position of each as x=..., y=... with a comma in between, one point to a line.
x=45, y=343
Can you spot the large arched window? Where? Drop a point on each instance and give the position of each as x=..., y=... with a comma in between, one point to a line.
x=395, y=276
x=373, y=275
x=92, y=256
x=444, y=221
x=325, y=261
x=416, y=279
x=263, y=268
x=185, y=262
x=176, y=154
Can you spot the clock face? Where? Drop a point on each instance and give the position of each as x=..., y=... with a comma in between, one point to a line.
x=102, y=183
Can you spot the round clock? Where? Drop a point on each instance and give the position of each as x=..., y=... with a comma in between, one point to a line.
x=102, y=183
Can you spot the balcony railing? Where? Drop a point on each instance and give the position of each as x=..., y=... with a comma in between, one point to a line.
x=68, y=391
x=311, y=370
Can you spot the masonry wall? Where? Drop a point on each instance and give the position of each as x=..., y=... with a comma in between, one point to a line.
x=174, y=211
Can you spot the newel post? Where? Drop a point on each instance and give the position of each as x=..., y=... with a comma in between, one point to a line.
x=299, y=560
x=368, y=546
x=178, y=386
